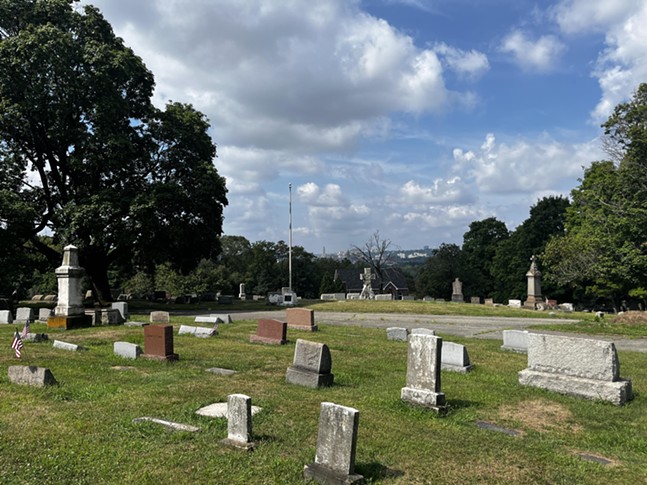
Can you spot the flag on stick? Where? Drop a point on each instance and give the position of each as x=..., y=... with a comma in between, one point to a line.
x=25, y=329
x=16, y=344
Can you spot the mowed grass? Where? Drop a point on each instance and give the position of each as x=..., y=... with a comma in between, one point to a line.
x=81, y=431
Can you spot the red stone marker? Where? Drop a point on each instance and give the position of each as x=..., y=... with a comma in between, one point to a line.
x=301, y=319
x=270, y=332
x=158, y=342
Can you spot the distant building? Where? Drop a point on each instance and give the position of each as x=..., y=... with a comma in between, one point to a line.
x=393, y=281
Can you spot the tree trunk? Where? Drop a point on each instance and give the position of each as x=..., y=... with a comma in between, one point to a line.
x=95, y=262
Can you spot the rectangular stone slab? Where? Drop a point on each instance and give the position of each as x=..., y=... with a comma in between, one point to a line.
x=301, y=319
x=399, y=334
x=58, y=344
x=515, y=341
x=312, y=356
x=127, y=350
x=6, y=316
x=337, y=437
x=31, y=375
x=572, y=356
x=270, y=331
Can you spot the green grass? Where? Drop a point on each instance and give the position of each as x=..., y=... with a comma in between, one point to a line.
x=599, y=328
x=82, y=432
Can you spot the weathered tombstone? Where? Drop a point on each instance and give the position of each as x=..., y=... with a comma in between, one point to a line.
x=37, y=297
x=311, y=365
x=202, y=332
x=31, y=375
x=423, y=373
x=127, y=350
x=270, y=331
x=239, y=421
x=44, y=314
x=422, y=331
x=454, y=358
x=514, y=303
x=6, y=316
x=59, y=344
x=241, y=291
x=577, y=367
x=207, y=319
x=35, y=337
x=515, y=341
x=108, y=316
x=488, y=301
x=336, y=446
x=224, y=317
x=385, y=297
x=534, y=285
x=475, y=300
x=158, y=343
x=301, y=319
x=565, y=307
x=457, y=291
x=69, y=311
x=122, y=307
x=50, y=298
x=24, y=314
x=400, y=334
x=160, y=317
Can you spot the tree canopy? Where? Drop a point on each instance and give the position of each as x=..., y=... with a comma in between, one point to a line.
x=87, y=158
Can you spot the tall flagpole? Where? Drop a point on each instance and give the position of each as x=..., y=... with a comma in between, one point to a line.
x=290, y=240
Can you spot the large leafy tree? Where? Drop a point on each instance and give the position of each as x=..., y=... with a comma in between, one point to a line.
x=85, y=155
x=440, y=269
x=605, y=249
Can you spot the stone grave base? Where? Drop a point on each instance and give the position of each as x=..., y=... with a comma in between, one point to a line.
x=322, y=474
x=243, y=445
x=161, y=358
x=462, y=369
x=31, y=375
x=69, y=322
x=305, y=378
x=517, y=350
x=420, y=397
x=616, y=392
x=266, y=340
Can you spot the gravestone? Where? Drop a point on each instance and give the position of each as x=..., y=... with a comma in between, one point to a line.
x=422, y=331
x=35, y=337
x=160, y=317
x=241, y=292
x=565, y=307
x=301, y=319
x=224, y=317
x=488, y=301
x=31, y=375
x=37, y=297
x=454, y=358
x=239, y=421
x=69, y=312
x=58, y=344
x=399, y=334
x=475, y=300
x=50, y=298
x=577, y=367
x=122, y=307
x=333, y=296
x=24, y=314
x=270, y=331
x=457, y=291
x=423, y=373
x=311, y=365
x=534, y=285
x=44, y=314
x=206, y=319
x=429, y=299
x=127, y=350
x=202, y=332
x=6, y=316
x=158, y=343
x=515, y=341
x=336, y=446
x=367, y=278
x=385, y=297
x=514, y=303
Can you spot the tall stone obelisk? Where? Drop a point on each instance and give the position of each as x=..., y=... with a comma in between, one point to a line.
x=534, y=285
x=69, y=312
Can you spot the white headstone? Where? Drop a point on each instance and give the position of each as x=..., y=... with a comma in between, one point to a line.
x=515, y=341
x=127, y=350
x=454, y=358
x=6, y=316
x=69, y=277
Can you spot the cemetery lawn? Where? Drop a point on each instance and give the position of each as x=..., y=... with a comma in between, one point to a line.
x=81, y=431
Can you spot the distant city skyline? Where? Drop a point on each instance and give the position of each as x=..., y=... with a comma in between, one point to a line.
x=411, y=117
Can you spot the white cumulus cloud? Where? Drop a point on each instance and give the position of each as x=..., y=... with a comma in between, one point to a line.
x=539, y=55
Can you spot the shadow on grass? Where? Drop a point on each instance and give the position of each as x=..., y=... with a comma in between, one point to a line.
x=374, y=471
x=457, y=404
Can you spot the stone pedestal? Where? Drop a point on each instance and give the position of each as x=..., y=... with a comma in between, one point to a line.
x=69, y=312
x=158, y=343
x=311, y=366
x=534, y=286
x=457, y=291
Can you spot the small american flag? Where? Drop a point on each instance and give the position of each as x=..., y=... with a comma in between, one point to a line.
x=25, y=329
x=16, y=344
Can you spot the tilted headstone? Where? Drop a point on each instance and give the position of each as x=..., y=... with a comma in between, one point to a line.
x=127, y=350
x=514, y=303
x=44, y=314
x=122, y=307
x=35, y=337
x=454, y=358
x=311, y=365
x=239, y=421
x=6, y=316
x=158, y=343
x=24, y=314
x=399, y=334
x=160, y=317
x=224, y=317
x=31, y=375
x=270, y=332
x=577, y=367
x=336, y=446
x=58, y=344
x=515, y=341
x=202, y=332
x=423, y=373
x=301, y=319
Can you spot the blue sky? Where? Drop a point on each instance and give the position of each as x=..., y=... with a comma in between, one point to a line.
x=411, y=117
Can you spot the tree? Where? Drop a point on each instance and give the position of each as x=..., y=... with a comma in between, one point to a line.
x=87, y=156
x=479, y=248
x=512, y=256
x=376, y=254
x=440, y=269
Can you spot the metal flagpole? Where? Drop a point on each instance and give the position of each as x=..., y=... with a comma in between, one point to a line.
x=290, y=240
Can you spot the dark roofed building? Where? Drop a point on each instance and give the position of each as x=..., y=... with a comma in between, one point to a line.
x=393, y=281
